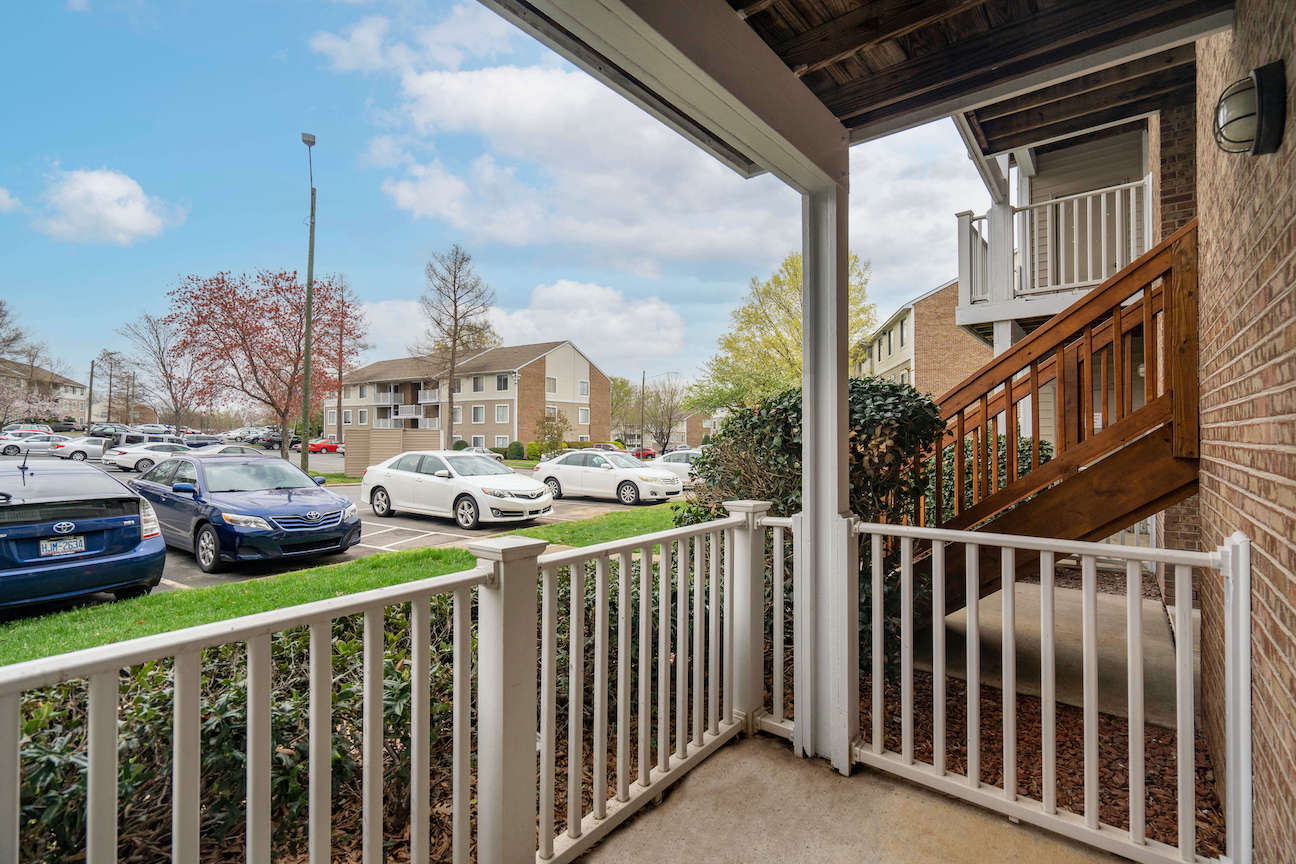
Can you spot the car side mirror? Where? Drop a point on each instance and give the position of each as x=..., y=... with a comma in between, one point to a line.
x=184, y=488
x=320, y=481
x=607, y=466
x=443, y=474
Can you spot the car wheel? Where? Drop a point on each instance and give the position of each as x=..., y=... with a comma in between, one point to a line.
x=207, y=549
x=380, y=502
x=466, y=512
x=79, y=456
x=131, y=592
x=143, y=465
x=554, y=486
x=628, y=493
x=11, y=450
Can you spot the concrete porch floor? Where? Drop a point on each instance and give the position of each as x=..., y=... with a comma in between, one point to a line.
x=755, y=801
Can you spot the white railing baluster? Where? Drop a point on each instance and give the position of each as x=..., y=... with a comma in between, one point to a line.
x=972, y=563
x=645, y=663
x=623, y=677
x=1106, y=270
x=875, y=605
x=906, y=649
x=371, y=760
x=1008, y=596
x=258, y=750
x=548, y=706
x=713, y=634
x=1122, y=245
x=1089, y=648
x=1134, y=676
x=461, y=728
x=10, y=775
x=185, y=761
x=599, y=791
x=101, y=770
x=320, y=771
x=576, y=699
x=699, y=637
x=420, y=727
x=1048, y=671
x=1050, y=244
x=1133, y=222
x=938, y=656
x=663, y=658
x=681, y=646
x=728, y=625
x=776, y=595
x=1074, y=258
x=1185, y=736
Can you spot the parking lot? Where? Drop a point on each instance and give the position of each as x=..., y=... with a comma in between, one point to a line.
x=400, y=531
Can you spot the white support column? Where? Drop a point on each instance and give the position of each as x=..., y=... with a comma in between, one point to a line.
x=506, y=700
x=1236, y=553
x=749, y=610
x=999, y=220
x=964, y=257
x=827, y=587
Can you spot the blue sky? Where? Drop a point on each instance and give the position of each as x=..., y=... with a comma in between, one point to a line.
x=148, y=140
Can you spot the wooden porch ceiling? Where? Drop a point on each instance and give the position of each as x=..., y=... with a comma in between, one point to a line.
x=874, y=61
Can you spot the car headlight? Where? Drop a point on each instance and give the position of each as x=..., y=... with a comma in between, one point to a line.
x=496, y=493
x=350, y=511
x=243, y=521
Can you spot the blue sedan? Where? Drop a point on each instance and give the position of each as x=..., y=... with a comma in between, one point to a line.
x=240, y=508
x=68, y=529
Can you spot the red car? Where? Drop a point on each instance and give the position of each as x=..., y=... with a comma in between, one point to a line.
x=645, y=453
x=323, y=445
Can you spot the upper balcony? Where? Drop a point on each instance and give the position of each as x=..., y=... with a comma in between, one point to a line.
x=387, y=399
x=1033, y=260
x=426, y=397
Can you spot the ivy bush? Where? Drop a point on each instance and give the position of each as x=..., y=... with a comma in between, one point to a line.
x=969, y=456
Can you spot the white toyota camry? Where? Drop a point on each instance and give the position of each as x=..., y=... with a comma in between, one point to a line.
x=607, y=474
x=464, y=486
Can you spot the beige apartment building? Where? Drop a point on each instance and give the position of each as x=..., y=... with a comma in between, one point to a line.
x=70, y=395
x=499, y=395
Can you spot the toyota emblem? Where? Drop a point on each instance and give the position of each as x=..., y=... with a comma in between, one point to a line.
x=64, y=527
x=313, y=516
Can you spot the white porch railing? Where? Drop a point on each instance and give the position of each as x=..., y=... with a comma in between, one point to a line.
x=433, y=423
x=409, y=411
x=429, y=396
x=387, y=399
x=974, y=252
x=386, y=423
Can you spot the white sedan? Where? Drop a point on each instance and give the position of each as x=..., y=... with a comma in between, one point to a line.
x=40, y=443
x=464, y=486
x=141, y=457
x=226, y=450
x=607, y=474
x=679, y=463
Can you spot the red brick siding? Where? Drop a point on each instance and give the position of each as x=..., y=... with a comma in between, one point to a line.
x=944, y=353
x=531, y=398
x=600, y=425
x=1248, y=412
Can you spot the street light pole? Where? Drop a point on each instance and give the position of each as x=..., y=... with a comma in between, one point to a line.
x=309, y=140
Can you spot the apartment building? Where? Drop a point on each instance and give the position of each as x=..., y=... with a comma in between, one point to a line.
x=499, y=396
x=921, y=344
x=70, y=395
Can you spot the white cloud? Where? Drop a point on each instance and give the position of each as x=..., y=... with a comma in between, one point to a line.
x=8, y=201
x=103, y=206
x=78, y=5
x=469, y=31
x=394, y=326
x=362, y=49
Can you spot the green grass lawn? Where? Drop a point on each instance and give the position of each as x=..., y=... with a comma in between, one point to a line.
x=103, y=623
x=336, y=478
x=520, y=463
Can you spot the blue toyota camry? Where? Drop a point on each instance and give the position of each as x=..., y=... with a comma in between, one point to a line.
x=246, y=508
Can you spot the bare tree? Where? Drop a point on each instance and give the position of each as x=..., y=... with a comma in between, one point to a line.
x=169, y=381
x=12, y=337
x=455, y=304
x=664, y=404
x=111, y=365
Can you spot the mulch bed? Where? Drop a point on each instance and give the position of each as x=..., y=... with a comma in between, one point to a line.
x=1110, y=580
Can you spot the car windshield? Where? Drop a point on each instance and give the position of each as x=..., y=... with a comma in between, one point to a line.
x=476, y=466
x=252, y=476
x=622, y=460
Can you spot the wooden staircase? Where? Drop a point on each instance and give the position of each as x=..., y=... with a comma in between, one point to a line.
x=1117, y=372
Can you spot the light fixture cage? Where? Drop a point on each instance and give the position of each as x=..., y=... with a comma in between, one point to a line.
x=1251, y=112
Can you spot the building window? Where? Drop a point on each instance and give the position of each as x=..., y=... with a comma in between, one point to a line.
x=582, y=437
x=551, y=410
x=584, y=388
x=363, y=389
x=501, y=413
x=501, y=440
x=346, y=416
x=879, y=349
x=479, y=441
x=890, y=348
x=363, y=416
x=551, y=385
x=330, y=417
x=582, y=415
x=479, y=383
x=458, y=437
x=501, y=383
x=902, y=328
x=457, y=415
x=479, y=413
x=458, y=385
x=904, y=377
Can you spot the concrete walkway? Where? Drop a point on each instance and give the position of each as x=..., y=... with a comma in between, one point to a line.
x=755, y=801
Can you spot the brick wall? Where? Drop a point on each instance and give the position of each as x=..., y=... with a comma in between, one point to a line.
x=600, y=425
x=531, y=398
x=944, y=353
x=1248, y=421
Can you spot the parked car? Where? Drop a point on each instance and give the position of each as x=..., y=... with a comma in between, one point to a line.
x=28, y=427
x=141, y=457
x=228, y=450
x=228, y=509
x=63, y=426
x=81, y=449
x=72, y=530
x=271, y=440
x=644, y=453
x=466, y=487
x=11, y=442
x=484, y=451
x=608, y=445
x=604, y=474
x=324, y=445
x=155, y=428
x=41, y=444
x=107, y=430
x=193, y=440
x=679, y=463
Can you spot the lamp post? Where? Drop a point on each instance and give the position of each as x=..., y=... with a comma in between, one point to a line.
x=309, y=140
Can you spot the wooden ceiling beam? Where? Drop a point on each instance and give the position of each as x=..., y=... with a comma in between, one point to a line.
x=862, y=28
x=746, y=10
x=1066, y=32
x=1182, y=55
x=1095, y=120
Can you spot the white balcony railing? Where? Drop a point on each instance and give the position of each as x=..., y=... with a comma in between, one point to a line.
x=1065, y=244
x=432, y=423
x=387, y=399
x=426, y=397
x=408, y=411
x=386, y=423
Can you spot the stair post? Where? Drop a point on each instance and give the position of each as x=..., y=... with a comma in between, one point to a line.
x=749, y=610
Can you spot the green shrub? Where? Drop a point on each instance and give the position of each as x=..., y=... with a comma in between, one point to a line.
x=503, y=451
x=459, y=445
x=947, y=471
x=533, y=451
x=515, y=451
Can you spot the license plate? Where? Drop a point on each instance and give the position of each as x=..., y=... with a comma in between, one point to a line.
x=62, y=546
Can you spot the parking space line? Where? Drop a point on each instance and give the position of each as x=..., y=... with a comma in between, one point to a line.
x=380, y=531
x=171, y=583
